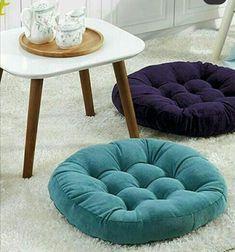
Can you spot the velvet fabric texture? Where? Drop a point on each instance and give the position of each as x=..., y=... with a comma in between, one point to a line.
x=137, y=191
x=192, y=99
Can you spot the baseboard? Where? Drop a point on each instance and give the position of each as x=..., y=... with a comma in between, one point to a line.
x=212, y=24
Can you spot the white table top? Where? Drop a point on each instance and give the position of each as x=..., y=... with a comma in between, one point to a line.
x=118, y=45
x=230, y=64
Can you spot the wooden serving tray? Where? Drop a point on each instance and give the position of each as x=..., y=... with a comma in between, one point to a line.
x=92, y=41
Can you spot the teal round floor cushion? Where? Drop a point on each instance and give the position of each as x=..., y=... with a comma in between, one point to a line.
x=137, y=191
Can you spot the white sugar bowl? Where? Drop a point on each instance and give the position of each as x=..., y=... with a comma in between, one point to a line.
x=69, y=35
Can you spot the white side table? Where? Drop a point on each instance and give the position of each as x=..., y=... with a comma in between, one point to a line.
x=118, y=46
x=226, y=22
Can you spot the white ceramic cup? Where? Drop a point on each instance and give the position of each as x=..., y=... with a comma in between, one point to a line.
x=78, y=16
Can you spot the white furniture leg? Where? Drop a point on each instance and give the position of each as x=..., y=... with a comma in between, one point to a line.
x=227, y=19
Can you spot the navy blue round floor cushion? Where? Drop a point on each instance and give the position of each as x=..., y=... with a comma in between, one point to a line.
x=192, y=99
x=137, y=191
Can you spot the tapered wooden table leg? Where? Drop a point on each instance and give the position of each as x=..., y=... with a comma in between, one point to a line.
x=86, y=91
x=1, y=70
x=32, y=125
x=126, y=99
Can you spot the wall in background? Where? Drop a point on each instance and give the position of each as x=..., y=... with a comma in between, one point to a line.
x=136, y=16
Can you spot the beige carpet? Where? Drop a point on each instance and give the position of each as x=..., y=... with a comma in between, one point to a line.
x=29, y=220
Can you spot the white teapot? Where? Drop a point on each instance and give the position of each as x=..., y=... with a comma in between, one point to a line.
x=39, y=21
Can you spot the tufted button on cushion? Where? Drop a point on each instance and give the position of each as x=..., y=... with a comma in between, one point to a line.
x=139, y=190
x=192, y=99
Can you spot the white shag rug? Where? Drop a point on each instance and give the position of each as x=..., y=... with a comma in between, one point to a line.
x=29, y=220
